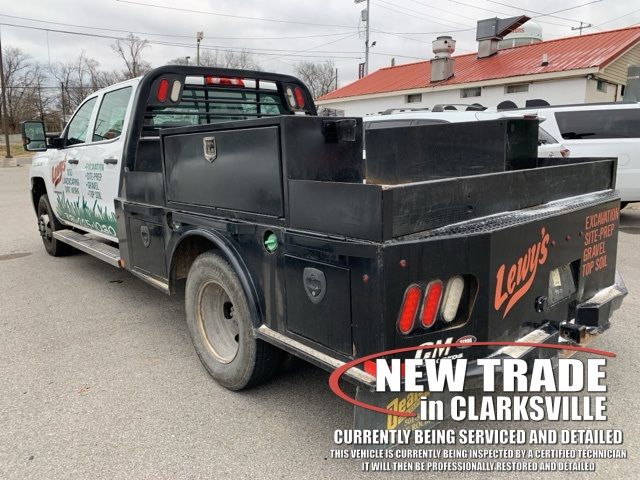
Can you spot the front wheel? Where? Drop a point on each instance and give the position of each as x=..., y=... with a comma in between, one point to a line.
x=47, y=224
x=220, y=324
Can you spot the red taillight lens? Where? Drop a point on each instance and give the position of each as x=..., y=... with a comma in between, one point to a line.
x=299, y=94
x=431, y=304
x=224, y=81
x=163, y=89
x=409, y=308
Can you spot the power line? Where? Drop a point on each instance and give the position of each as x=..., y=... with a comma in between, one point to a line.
x=175, y=44
x=504, y=13
x=228, y=15
x=551, y=14
x=415, y=14
x=457, y=14
x=618, y=18
x=90, y=27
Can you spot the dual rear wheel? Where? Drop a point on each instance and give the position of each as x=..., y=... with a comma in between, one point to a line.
x=221, y=327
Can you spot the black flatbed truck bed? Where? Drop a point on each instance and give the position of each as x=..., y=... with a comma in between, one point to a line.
x=321, y=257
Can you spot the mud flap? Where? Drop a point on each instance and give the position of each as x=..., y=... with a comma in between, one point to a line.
x=364, y=419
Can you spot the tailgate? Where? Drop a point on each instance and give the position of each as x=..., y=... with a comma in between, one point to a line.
x=520, y=270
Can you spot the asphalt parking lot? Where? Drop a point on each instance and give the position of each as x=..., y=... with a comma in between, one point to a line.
x=99, y=378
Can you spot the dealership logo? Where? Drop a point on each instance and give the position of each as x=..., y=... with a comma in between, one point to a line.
x=467, y=339
x=56, y=172
x=520, y=275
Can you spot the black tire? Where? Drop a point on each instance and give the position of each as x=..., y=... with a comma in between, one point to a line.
x=217, y=315
x=47, y=224
x=623, y=204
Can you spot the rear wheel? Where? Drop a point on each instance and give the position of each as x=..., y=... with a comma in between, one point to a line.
x=220, y=324
x=47, y=224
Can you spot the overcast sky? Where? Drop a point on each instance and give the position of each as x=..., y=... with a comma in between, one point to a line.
x=284, y=32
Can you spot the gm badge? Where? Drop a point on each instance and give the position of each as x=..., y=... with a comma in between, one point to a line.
x=315, y=284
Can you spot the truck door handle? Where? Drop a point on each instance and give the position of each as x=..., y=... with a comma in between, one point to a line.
x=73, y=161
x=111, y=161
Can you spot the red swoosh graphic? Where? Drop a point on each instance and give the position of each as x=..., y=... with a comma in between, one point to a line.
x=334, y=378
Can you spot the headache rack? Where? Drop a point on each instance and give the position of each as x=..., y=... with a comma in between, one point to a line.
x=184, y=96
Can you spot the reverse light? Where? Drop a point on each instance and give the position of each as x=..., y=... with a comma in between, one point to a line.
x=431, y=304
x=175, y=91
x=163, y=89
x=451, y=299
x=409, y=308
x=291, y=97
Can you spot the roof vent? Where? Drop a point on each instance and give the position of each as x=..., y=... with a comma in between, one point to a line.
x=491, y=30
x=442, y=64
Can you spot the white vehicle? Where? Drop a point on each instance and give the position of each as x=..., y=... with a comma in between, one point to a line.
x=548, y=146
x=600, y=130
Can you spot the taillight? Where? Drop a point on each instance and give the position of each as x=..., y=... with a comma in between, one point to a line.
x=224, y=81
x=299, y=95
x=409, y=308
x=430, y=305
x=163, y=89
x=451, y=299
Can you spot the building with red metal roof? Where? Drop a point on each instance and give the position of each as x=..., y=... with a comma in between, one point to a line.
x=587, y=68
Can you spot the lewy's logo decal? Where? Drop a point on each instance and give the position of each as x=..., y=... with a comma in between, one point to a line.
x=56, y=172
x=520, y=275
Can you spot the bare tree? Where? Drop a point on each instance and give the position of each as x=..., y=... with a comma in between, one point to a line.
x=180, y=61
x=130, y=49
x=20, y=83
x=243, y=59
x=77, y=79
x=319, y=77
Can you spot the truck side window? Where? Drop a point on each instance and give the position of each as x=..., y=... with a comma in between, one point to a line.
x=111, y=115
x=79, y=125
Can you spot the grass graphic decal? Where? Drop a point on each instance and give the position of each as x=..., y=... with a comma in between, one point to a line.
x=95, y=217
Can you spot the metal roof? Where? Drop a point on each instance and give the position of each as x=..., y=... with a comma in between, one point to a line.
x=564, y=54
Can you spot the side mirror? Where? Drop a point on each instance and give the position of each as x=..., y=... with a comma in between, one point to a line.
x=34, y=138
x=56, y=142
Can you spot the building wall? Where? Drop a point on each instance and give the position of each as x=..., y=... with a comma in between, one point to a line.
x=568, y=90
x=594, y=95
x=616, y=71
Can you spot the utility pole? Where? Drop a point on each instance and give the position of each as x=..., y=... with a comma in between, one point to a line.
x=199, y=37
x=64, y=110
x=366, y=39
x=336, y=78
x=582, y=26
x=5, y=123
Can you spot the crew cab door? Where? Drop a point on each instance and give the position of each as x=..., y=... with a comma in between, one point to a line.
x=67, y=168
x=103, y=160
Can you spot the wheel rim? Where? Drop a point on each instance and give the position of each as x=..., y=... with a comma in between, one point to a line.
x=218, y=322
x=44, y=226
